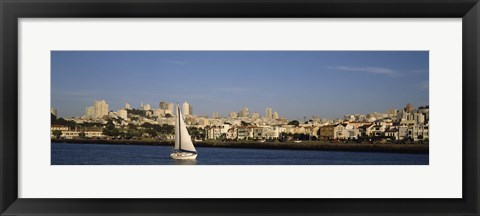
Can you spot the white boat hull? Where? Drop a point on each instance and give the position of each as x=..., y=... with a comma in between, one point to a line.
x=183, y=156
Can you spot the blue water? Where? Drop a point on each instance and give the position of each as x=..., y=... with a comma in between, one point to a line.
x=100, y=154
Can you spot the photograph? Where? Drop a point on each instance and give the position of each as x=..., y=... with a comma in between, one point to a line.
x=239, y=107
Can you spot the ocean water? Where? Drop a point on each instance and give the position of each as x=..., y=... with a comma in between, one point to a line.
x=101, y=154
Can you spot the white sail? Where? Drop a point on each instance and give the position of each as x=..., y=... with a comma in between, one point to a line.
x=182, y=138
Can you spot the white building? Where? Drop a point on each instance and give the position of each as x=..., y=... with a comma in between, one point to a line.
x=185, y=108
x=89, y=112
x=275, y=115
x=268, y=113
x=171, y=107
x=123, y=114
x=100, y=108
x=146, y=107
x=159, y=112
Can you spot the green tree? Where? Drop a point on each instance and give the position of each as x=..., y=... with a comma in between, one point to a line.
x=82, y=134
x=294, y=122
x=168, y=115
x=57, y=134
x=111, y=132
x=151, y=132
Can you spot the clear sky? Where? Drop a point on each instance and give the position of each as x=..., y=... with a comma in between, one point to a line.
x=293, y=83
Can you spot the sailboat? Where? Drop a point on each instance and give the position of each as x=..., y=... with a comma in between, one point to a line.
x=184, y=149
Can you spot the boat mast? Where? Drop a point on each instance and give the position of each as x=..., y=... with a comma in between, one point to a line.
x=179, y=129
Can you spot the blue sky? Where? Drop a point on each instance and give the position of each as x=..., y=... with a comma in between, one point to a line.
x=293, y=83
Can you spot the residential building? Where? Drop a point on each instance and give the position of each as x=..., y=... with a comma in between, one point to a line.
x=123, y=114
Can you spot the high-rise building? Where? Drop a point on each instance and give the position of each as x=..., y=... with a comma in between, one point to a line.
x=409, y=107
x=127, y=106
x=171, y=107
x=255, y=115
x=185, y=108
x=268, y=113
x=190, y=109
x=163, y=105
x=100, y=108
x=89, y=112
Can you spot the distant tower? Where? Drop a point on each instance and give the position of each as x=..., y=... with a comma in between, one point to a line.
x=171, y=107
x=186, y=108
x=268, y=113
x=190, y=109
x=409, y=107
x=100, y=108
x=163, y=105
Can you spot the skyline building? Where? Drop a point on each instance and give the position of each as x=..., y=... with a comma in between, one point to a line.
x=268, y=113
x=171, y=107
x=409, y=107
x=127, y=106
x=163, y=105
x=89, y=112
x=100, y=108
x=275, y=115
x=146, y=107
x=186, y=108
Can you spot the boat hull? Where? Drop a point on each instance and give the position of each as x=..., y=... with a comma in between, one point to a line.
x=183, y=156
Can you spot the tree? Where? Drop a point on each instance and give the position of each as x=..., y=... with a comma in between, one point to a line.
x=57, y=134
x=151, y=132
x=245, y=123
x=168, y=115
x=294, y=122
x=111, y=132
x=146, y=125
x=82, y=134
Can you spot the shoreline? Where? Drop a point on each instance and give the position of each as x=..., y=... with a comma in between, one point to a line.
x=305, y=145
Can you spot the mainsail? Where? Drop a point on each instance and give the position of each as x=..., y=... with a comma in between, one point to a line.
x=183, y=142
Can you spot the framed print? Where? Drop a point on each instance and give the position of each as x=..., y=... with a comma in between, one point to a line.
x=225, y=107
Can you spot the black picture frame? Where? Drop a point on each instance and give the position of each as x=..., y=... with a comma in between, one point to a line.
x=12, y=10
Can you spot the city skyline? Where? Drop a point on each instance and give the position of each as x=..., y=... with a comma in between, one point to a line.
x=295, y=84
